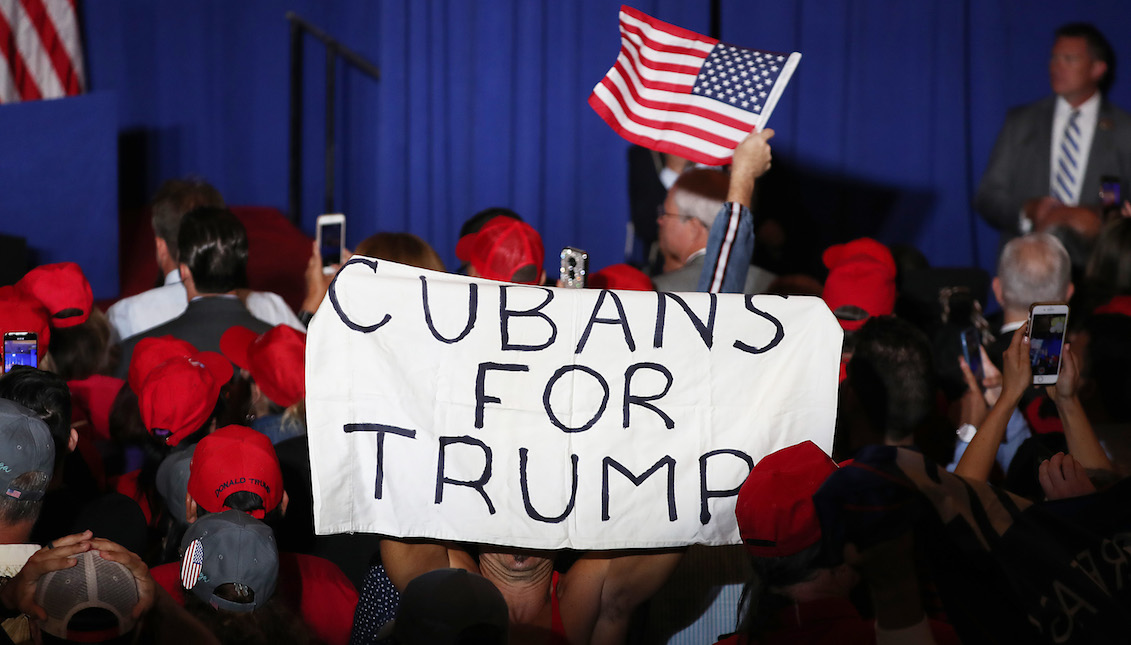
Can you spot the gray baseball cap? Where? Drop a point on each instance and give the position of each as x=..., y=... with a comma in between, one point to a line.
x=172, y=482
x=230, y=548
x=92, y=601
x=25, y=446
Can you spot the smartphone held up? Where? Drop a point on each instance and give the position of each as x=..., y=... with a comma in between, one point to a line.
x=331, y=240
x=1048, y=324
x=574, y=268
x=20, y=348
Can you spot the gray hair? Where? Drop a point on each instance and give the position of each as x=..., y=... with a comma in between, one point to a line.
x=700, y=193
x=1034, y=268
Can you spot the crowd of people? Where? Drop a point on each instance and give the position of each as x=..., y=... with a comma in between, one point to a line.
x=156, y=463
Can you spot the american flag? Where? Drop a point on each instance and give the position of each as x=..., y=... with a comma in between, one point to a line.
x=191, y=563
x=674, y=90
x=40, y=56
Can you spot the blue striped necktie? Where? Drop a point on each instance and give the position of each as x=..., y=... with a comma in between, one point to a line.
x=1064, y=184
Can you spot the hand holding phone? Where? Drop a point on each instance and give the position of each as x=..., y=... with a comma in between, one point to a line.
x=331, y=240
x=971, y=340
x=1048, y=324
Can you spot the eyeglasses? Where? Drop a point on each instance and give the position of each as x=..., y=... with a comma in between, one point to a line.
x=661, y=213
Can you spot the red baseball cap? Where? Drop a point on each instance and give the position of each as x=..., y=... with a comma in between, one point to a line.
x=620, y=276
x=775, y=511
x=232, y=459
x=502, y=247
x=19, y=312
x=275, y=358
x=861, y=274
x=63, y=290
x=179, y=395
x=1117, y=305
x=151, y=352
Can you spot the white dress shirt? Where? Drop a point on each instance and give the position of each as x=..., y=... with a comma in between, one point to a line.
x=1089, y=115
x=159, y=305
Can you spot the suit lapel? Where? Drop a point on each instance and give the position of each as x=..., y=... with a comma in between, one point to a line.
x=1102, y=154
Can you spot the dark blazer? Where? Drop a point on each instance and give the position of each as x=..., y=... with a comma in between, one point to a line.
x=202, y=324
x=1019, y=165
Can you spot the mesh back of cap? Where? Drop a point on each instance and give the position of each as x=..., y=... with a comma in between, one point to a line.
x=93, y=583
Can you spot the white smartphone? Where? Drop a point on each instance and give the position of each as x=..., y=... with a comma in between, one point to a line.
x=1048, y=323
x=331, y=240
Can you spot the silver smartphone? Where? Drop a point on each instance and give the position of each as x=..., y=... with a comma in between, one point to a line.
x=1048, y=324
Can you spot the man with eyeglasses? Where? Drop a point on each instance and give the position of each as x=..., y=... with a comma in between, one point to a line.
x=685, y=219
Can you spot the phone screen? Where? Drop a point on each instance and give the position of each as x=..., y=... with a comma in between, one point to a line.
x=971, y=341
x=1046, y=340
x=1109, y=191
x=331, y=244
x=20, y=351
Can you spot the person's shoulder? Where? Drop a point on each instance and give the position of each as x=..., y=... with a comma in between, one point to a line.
x=271, y=308
x=138, y=312
x=1109, y=110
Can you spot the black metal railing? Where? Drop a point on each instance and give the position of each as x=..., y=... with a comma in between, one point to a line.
x=334, y=50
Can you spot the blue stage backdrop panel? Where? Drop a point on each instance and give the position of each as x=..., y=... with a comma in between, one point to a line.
x=59, y=181
x=888, y=122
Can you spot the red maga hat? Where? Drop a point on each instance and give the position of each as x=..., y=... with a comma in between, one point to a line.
x=179, y=395
x=775, y=511
x=502, y=247
x=63, y=290
x=275, y=358
x=861, y=274
x=620, y=276
x=232, y=459
x=151, y=352
x=19, y=312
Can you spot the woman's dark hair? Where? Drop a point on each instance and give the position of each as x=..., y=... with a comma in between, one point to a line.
x=270, y=624
x=762, y=599
x=1109, y=267
x=45, y=394
x=403, y=248
x=213, y=244
x=81, y=351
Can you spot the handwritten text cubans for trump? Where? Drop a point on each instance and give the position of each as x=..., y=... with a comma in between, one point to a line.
x=446, y=407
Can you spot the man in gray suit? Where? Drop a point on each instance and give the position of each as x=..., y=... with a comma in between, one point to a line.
x=1051, y=156
x=685, y=220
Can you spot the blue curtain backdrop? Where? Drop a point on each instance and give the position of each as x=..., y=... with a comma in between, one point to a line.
x=887, y=124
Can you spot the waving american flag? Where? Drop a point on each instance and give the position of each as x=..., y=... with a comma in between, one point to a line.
x=674, y=90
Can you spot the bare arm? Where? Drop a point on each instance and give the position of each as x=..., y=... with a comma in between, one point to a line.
x=607, y=588
x=1078, y=433
x=404, y=561
x=978, y=460
x=751, y=160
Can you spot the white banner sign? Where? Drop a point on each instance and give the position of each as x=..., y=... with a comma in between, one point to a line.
x=453, y=408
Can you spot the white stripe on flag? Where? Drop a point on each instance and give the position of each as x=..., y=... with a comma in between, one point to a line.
x=649, y=96
x=658, y=34
x=711, y=150
x=38, y=62
x=670, y=98
x=62, y=13
x=679, y=98
x=9, y=93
